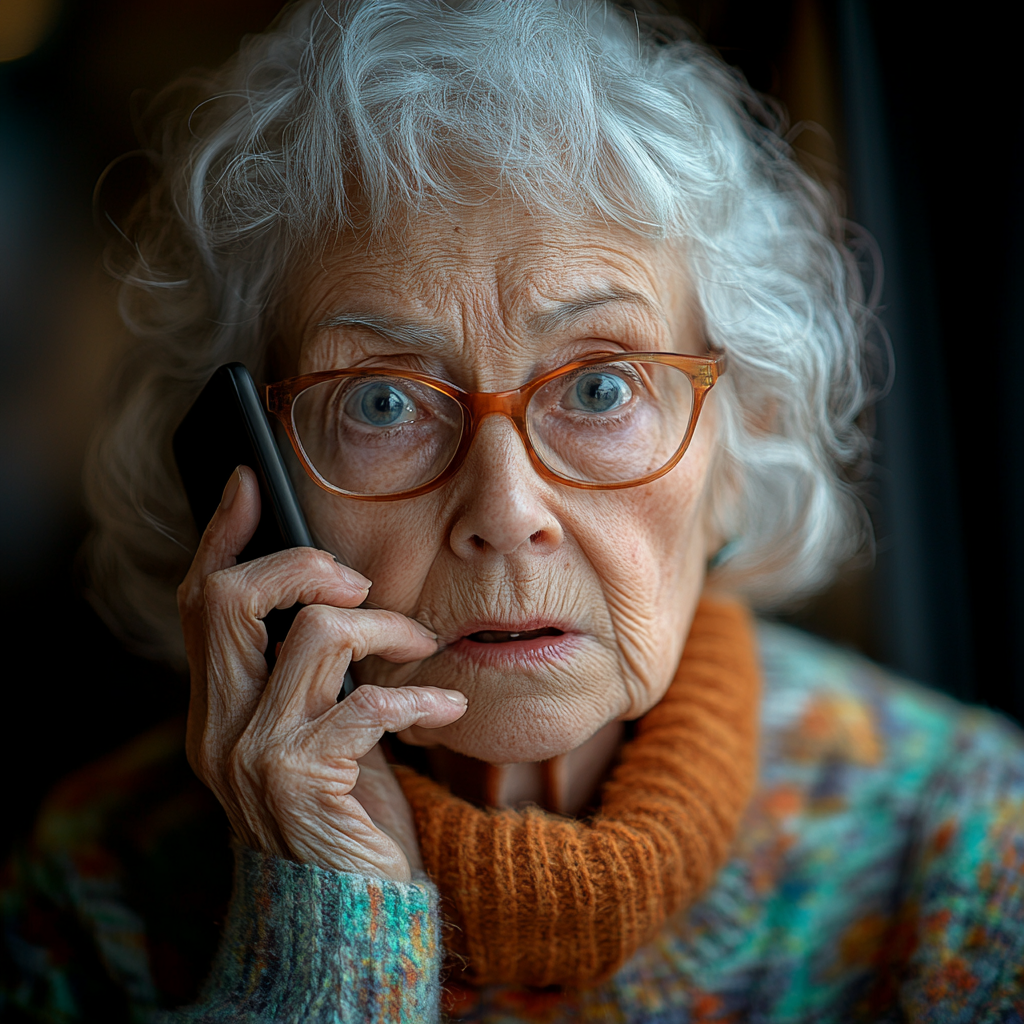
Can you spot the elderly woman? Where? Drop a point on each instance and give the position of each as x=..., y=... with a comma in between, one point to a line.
x=570, y=359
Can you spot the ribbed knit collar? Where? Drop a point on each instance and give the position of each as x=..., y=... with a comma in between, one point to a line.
x=534, y=898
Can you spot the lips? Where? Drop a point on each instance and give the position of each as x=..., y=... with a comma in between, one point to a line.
x=511, y=644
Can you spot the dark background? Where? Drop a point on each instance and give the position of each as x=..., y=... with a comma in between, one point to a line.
x=915, y=117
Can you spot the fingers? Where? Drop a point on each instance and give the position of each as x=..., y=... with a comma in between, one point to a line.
x=223, y=539
x=232, y=525
x=364, y=631
x=352, y=728
x=280, y=580
x=305, y=776
x=222, y=603
x=276, y=581
x=233, y=603
x=319, y=648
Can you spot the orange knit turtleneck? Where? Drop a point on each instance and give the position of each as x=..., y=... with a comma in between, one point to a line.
x=537, y=899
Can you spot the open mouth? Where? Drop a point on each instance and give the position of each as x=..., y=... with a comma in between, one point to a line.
x=516, y=649
x=502, y=636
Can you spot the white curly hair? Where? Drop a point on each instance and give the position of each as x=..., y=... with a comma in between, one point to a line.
x=345, y=113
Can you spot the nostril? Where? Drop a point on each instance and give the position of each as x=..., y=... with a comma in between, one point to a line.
x=535, y=537
x=478, y=542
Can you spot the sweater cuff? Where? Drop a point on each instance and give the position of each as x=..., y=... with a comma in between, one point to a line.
x=303, y=943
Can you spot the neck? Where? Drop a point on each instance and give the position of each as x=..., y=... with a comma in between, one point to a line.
x=565, y=784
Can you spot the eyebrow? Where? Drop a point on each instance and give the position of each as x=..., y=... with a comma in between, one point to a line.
x=405, y=332
x=560, y=317
x=565, y=314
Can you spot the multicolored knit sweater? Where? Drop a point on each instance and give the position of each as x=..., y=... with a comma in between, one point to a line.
x=878, y=876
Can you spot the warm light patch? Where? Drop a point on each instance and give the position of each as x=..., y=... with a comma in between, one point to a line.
x=24, y=25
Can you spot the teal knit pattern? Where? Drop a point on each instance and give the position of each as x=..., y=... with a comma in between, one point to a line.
x=305, y=944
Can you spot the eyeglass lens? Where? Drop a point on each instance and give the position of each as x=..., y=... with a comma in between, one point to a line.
x=608, y=423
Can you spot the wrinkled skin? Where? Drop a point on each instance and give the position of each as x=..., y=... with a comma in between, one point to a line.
x=619, y=572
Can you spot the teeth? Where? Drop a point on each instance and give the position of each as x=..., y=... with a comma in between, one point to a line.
x=501, y=636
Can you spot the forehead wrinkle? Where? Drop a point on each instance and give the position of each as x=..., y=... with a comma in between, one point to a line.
x=392, y=328
x=564, y=315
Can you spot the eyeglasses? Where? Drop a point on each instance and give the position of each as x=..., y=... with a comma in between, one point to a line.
x=604, y=422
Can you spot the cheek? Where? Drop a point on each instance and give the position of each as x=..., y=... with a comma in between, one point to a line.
x=649, y=536
x=651, y=557
x=390, y=543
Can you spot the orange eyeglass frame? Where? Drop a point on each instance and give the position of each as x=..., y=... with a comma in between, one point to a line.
x=703, y=372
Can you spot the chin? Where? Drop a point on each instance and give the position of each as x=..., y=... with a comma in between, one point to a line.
x=527, y=707
x=531, y=730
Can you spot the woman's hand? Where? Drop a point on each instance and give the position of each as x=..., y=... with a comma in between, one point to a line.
x=299, y=774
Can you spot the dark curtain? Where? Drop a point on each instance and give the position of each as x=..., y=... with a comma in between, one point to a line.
x=925, y=121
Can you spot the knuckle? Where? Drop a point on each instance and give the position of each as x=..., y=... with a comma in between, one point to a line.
x=268, y=763
x=307, y=559
x=189, y=593
x=309, y=617
x=372, y=701
x=319, y=618
x=288, y=566
x=220, y=587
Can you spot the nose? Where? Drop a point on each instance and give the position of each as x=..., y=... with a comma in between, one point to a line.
x=503, y=511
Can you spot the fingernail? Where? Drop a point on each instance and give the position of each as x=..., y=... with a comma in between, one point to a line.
x=230, y=489
x=455, y=697
x=357, y=579
x=423, y=629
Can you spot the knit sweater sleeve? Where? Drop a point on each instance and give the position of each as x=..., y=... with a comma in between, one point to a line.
x=302, y=943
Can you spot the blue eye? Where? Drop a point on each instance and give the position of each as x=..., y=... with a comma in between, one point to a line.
x=598, y=392
x=380, y=404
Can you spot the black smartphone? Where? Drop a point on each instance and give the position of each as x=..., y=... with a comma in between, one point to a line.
x=228, y=427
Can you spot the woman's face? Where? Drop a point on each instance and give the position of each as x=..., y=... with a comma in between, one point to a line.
x=488, y=298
